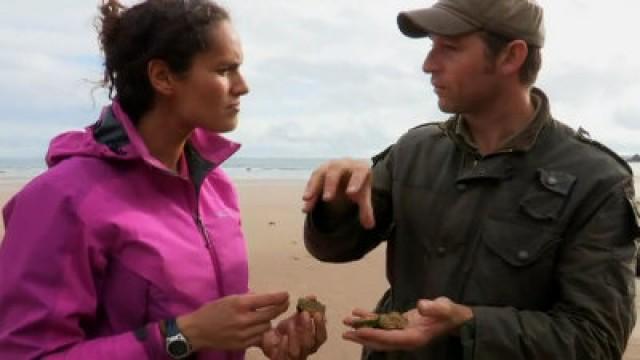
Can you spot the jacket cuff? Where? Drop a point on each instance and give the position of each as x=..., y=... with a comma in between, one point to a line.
x=496, y=330
x=153, y=341
x=468, y=339
x=326, y=222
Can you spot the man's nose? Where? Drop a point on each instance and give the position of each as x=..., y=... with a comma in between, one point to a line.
x=429, y=64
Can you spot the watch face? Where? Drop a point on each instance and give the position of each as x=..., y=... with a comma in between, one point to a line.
x=177, y=348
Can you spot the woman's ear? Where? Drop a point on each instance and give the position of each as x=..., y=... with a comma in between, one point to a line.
x=160, y=77
x=513, y=57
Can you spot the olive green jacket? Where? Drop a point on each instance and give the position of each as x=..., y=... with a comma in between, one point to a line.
x=539, y=239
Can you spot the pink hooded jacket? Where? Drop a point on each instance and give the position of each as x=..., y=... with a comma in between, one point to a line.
x=109, y=241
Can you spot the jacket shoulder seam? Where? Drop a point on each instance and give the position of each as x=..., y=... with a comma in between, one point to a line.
x=585, y=138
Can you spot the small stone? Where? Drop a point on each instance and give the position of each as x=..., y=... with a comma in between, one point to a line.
x=390, y=321
x=311, y=305
x=369, y=322
x=393, y=321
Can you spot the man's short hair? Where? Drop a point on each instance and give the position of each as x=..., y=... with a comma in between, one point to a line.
x=495, y=43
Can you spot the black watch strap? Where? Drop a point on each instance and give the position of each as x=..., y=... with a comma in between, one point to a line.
x=177, y=345
x=171, y=327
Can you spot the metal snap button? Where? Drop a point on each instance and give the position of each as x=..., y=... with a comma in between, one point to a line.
x=552, y=180
x=523, y=255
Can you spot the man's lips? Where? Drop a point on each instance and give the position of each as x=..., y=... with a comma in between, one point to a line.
x=438, y=89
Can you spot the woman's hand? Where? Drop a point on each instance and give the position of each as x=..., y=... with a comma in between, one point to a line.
x=234, y=322
x=296, y=337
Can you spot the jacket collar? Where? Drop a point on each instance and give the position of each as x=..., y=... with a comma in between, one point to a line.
x=523, y=141
x=204, y=150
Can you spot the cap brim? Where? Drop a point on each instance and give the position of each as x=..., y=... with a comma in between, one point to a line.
x=434, y=20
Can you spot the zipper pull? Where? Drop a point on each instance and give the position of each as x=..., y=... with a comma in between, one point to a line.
x=203, y=230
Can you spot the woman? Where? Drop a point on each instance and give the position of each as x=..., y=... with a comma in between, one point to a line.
x=130, y=245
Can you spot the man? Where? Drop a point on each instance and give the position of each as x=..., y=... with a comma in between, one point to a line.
x=509, y=235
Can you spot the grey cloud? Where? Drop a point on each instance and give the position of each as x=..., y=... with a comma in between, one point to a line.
x=20, y=138
x=361, y=140
x=628, y=118
x=623, y=148
x=332, y=77
x=301, y=87
x=578, y=84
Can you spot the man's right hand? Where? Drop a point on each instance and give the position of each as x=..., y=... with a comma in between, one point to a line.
x=340, y=183
x=234, y=322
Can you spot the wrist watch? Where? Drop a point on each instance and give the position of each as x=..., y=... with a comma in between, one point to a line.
x=177, y=345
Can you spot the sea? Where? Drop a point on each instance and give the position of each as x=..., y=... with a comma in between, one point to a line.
x=14, y=170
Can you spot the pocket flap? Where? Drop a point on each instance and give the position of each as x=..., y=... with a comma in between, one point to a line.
x=546, y=199
x=517, y=244
x=556, y=181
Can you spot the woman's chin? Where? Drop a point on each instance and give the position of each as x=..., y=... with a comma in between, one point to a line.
x=225, y=126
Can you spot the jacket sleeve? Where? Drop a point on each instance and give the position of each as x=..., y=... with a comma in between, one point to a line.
x=48, y=288
x=595, y=312
x=335, y=237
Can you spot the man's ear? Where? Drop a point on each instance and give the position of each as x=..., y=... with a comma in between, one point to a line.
x=160, y=77
x=513, y=57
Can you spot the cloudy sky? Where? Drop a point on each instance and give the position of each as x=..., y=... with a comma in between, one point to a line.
x=328, y=78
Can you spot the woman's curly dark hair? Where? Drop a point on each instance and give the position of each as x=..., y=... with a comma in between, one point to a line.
x=169, y=30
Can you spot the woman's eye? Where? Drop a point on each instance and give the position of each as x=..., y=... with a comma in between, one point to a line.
x=227, y=70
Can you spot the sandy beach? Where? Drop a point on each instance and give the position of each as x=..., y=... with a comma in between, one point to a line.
x=273, y=221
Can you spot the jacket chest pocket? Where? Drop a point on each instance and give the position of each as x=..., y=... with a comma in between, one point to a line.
x=515, y=264
x=521, y=239
x=518, y=247
x=547, y=197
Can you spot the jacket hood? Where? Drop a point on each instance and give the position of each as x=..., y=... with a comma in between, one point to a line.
x=114, y=137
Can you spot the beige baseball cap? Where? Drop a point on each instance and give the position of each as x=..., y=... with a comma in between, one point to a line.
x=513, y=19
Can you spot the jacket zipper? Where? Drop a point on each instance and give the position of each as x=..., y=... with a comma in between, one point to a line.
x=210, y=249
x=213, y=255
x=214, y=258
x=203, y=231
